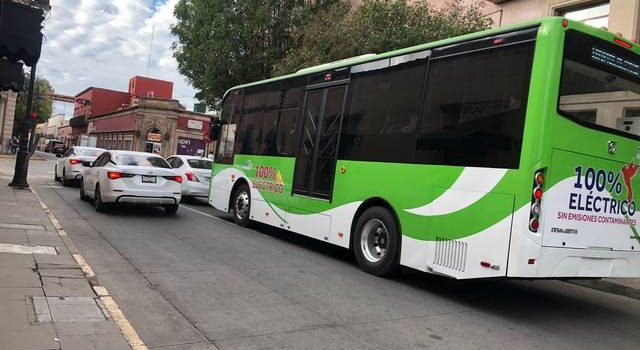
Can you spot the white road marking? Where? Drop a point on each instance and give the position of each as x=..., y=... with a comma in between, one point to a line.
x=201, y=213
x=22, y=226
x=25, y=249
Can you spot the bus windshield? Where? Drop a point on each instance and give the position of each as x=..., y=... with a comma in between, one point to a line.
x=600, y=85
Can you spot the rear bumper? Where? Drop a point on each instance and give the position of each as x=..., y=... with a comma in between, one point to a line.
x=567, y=262
x=138, y=200
x=195, y=189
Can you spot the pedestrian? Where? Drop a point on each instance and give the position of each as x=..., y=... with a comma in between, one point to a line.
x=13, y=146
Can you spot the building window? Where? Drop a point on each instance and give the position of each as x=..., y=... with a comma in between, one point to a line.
x=594, y=13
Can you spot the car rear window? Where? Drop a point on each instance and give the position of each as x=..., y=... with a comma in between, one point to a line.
x=200, y=163
x=141, y=160
x=88, y=152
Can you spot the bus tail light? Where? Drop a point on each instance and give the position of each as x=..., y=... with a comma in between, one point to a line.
x=536, y=197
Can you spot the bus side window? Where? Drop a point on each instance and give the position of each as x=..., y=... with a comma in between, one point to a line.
x=474, y=108
x=230, y=115
x=382, y=114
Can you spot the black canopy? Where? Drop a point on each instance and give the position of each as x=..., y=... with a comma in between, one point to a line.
x=11, y=77
x=20, y=36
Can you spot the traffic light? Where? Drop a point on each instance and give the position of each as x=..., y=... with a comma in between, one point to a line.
x=34, y=115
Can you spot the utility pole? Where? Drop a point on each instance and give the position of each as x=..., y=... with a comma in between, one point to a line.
x=22, y=158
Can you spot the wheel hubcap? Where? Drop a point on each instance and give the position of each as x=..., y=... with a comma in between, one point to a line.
x=242, y=205
x=374, y=240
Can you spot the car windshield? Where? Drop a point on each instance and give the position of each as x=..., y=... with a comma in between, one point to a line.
x=200, y=163
x=88, y=152
x=141, y=160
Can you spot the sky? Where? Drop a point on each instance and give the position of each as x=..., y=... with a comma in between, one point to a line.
x=103, y=43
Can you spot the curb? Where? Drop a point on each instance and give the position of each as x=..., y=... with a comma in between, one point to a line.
x=606, y=286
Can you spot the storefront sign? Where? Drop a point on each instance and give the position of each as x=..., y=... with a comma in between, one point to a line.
x=190, y=147
x=154, y=137
x=194, y=124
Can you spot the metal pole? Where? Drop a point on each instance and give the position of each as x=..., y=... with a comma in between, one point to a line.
x=22, y=158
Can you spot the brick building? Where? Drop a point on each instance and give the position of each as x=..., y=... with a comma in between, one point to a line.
x=145, y=118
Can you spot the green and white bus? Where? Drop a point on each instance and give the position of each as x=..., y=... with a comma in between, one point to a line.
x=510, y=152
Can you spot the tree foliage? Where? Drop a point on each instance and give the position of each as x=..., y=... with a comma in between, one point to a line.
x=222, y=43
x=42, y=106
x=377, y=26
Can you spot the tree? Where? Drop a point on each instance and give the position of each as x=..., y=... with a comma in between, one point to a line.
x=42, y=106
x=222, y=43
x=375, y=26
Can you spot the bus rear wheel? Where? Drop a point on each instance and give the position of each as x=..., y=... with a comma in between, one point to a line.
x=376, y=242
x=241, y=205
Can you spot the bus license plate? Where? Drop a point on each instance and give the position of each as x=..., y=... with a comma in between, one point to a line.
x=148, y=179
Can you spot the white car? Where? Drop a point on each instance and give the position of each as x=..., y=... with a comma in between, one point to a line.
x=136, y=178
x=195, y=171
x=70, y=165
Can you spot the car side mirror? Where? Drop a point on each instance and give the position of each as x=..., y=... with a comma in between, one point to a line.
x=59, y=155
x=214, y=129
x=87, y=164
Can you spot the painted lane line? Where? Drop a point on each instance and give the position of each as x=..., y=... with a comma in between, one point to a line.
x=202, y=213
x=25, y=249
x=121, y=321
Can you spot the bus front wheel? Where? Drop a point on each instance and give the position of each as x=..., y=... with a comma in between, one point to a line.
x=376, y=242
x=241, y=205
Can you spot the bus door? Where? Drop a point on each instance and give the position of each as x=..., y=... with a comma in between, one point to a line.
x=318, y=143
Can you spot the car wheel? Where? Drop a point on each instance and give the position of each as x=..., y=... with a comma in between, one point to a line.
x=83, y=196
x=376, y=242
x=65, y=182
x=97, y=201
x=241, y=206
x=55, y=174
x=171, y=209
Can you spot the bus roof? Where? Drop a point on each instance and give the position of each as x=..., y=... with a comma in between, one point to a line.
x=551, y=21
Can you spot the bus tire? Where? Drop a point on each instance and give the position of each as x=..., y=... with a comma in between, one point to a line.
x=376, y=242
x=241, y=205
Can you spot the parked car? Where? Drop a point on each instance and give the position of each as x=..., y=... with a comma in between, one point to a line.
x=52, y=145
x=195, y=171
x=71, y=164
x=137, y=178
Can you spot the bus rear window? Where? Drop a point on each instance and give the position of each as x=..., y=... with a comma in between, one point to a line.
x=600, y=85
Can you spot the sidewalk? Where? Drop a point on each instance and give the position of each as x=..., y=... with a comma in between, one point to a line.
x=46, y=301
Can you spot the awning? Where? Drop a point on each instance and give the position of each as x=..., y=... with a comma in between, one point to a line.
x=11, y=77
x=20, y=35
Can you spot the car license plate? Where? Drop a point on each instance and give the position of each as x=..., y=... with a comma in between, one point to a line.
x=148, y=179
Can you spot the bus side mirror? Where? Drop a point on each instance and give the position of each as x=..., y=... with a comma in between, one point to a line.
x=214, y=129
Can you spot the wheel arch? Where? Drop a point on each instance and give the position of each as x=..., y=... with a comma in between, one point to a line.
x=375, y=202
x=235, y=186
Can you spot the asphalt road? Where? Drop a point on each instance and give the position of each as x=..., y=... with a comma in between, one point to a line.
x=196, y=281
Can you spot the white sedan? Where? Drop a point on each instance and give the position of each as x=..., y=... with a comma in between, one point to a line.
x=70, y=165
x=136, y=178
x=195, y=171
